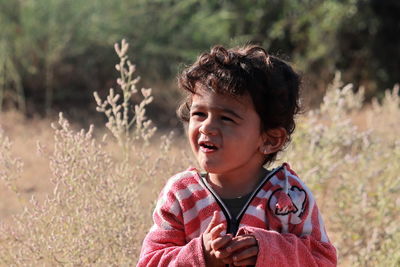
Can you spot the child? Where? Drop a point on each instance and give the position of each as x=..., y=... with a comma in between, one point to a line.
x=240, y=113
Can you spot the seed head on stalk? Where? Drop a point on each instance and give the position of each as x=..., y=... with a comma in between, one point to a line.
x=121, y=114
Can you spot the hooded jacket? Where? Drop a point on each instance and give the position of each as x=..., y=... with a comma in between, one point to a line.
x=281, y=213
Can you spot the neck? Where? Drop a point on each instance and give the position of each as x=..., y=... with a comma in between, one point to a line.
x=236, y=184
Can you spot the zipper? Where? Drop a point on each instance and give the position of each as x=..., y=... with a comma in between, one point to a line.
x=232, y=222
x=221, y=204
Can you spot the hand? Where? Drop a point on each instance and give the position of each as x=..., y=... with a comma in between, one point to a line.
x=243, y=250
x=214, y=242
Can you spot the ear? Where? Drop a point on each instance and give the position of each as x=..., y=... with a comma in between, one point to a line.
x=274, y=140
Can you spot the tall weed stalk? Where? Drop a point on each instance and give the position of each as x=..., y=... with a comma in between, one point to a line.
x=95, y=215
x=101, y=205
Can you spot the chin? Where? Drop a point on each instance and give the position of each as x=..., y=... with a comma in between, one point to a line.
x=208, y=167
x=212, y=168
x=212, y=165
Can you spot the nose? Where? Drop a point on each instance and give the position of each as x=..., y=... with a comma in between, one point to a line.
x=208, y=127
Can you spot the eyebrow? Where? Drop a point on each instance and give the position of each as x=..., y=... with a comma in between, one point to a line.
x=224, y=110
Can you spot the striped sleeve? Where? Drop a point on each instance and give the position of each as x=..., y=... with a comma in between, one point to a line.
x=296, y=238
x=165, y=244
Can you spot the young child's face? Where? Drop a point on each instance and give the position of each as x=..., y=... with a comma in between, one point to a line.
x=224, y=132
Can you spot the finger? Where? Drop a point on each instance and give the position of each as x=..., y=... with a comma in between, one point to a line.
x=241, y=242
x=218, y=247
x=250, y=252
x=214, y=221
x=222, y=254
x=217, y=230
x=248, y=261
x=221, y=242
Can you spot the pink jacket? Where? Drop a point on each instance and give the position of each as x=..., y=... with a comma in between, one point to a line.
x=291, y=235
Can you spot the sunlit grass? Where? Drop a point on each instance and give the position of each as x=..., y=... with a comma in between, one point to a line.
x=100, y=192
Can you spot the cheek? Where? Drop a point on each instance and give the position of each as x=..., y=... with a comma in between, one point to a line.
x=192, y=133
x=251, y=135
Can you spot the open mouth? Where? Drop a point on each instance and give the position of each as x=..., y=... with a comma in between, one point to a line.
x=208, y=147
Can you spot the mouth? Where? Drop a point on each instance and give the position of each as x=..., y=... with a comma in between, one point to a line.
x=207, y=147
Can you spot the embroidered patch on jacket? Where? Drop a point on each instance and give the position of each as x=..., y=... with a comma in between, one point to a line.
x=294, y=202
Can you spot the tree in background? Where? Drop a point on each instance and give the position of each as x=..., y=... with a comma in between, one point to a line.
x=53, y=53
x=369, y=45
x=39, y=45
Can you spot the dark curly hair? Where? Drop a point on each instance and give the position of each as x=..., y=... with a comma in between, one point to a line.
x=271, y=83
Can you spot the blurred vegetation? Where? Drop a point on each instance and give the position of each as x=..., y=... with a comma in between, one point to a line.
x=99, y=204
x=54, y=53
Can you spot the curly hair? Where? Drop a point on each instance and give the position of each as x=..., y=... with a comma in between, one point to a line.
x=271, y=83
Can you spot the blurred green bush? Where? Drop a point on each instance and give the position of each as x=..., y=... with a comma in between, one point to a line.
x=54, y=53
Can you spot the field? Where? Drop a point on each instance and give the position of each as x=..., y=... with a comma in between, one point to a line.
x=93, y=196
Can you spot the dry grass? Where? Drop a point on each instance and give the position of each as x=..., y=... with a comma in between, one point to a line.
x=35, y=177
x=100, y=194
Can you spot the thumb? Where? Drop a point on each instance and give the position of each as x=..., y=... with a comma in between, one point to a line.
x=214, y=221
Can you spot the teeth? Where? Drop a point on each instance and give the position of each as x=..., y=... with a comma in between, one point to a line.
x=208, y=145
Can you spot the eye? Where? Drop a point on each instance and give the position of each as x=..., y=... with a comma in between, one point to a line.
x=197, y=114
x=225, y=118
